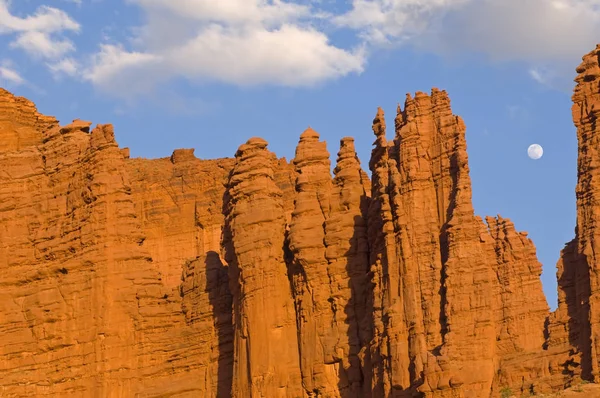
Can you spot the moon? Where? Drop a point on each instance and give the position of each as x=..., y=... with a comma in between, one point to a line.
x=535, y=151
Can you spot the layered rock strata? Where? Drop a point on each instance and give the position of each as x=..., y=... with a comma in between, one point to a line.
x=258, y=277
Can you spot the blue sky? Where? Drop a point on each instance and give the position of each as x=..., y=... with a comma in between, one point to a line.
x=209, y=74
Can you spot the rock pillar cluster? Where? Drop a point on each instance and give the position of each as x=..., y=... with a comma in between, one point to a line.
x=257, y=277
x=439, y=316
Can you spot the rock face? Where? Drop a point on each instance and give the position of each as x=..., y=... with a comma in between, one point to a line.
x=257, y=277
x=578, y=271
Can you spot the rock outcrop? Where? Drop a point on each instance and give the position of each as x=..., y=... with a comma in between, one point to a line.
x=257, y=277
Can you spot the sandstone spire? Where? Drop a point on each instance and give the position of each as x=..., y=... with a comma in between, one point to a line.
x=348, y=257
x=265, y=339
x=309, y=267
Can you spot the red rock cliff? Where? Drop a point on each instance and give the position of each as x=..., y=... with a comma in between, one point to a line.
x=255, y=277
x=576, y=323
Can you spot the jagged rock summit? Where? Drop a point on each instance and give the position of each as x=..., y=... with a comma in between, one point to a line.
x=256, y=277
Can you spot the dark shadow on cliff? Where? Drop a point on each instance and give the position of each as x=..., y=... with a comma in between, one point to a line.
x=219, y=296
x=374, y=369
x=297, y=280
x=575, y=282
x=445, y=247
x=228, y=275
x=357, y=317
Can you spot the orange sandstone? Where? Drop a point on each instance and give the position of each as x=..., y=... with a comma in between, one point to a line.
x=257, y=277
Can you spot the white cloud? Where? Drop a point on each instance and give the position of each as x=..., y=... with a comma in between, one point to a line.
x=537, y=32
x=10, y=75
x=283, y=42
x=120, y=72
x=229, y=11
x=39, y=34
x=45, y=19
x=66, y=66
x=392, y=21
x=243, y=42
x=39, y=44
x=531, y=30
x=554, y=77
x=247, y=42
x=538, y=75
x=288, y=56
x=502, y=29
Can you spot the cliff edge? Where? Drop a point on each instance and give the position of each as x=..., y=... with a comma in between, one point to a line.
x=253, y=276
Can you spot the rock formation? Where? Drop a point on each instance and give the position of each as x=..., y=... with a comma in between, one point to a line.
x=257, y=277
x=578, y=269
x=436, y=259
x=266, y=357
x=328, y=265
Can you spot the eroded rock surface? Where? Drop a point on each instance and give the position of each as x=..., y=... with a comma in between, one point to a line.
x=257, y=277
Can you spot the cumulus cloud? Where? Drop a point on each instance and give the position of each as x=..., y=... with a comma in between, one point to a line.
x=537, y=32
x=10, y=75
x=66, y=66
x=532, y=30
x=289, y=56
x=502, y=29
x=230, y=11
x=246, y=42
x=45, y=19
x=40, y=44
x=284, y=42
x=243, y=42
x=394, y=21
x=39, y=34
x=114, y=69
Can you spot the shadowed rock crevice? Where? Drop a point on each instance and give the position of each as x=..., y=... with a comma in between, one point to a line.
x=217, y=285
x=205, y=295
x=574, y=292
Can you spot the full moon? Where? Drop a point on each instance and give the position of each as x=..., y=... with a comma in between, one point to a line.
x=535, y=151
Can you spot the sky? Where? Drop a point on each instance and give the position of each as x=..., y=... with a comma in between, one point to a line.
x=210, y=74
